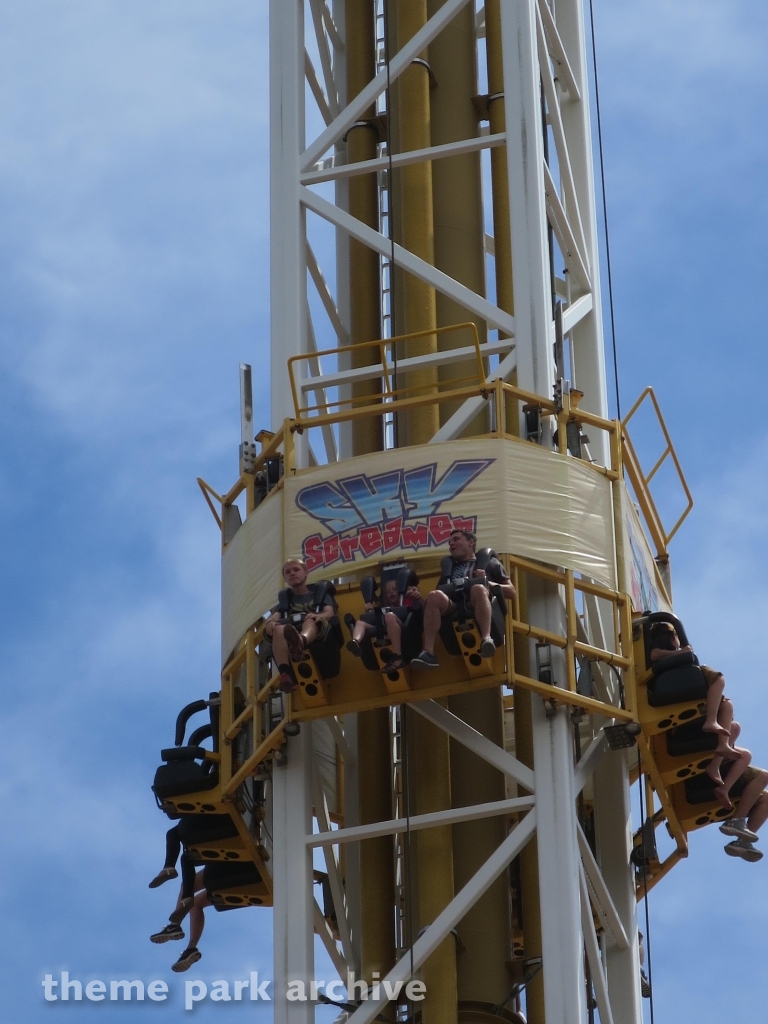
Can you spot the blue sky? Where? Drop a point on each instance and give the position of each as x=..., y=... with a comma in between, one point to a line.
x=134, y=278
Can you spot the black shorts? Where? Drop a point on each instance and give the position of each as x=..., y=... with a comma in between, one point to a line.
x=455, y=594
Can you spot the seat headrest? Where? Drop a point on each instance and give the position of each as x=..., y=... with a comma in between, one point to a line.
x=483, y=557
x=184, y=716
x=681, y=659
x=183, y=753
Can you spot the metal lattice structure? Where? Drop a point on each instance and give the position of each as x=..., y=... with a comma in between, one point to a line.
x=537, y=301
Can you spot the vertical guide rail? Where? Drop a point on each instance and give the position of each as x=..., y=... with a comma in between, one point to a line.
x=558, y=861
x=293, y=895
x=570, y=651
x=288, y=273
x=226, y=713
x=293, y=919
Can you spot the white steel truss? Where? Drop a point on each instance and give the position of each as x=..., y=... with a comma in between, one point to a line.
x=547, y=139
x=550, y=189
x=299, y=777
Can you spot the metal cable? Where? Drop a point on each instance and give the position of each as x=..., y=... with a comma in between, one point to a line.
x=407, y=800
x=395, y=438
x=645, y=881
x=605, y=210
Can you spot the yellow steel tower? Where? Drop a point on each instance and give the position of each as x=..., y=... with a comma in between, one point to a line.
x=435, y=306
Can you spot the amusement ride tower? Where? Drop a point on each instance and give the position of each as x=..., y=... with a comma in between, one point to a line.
x=433, y=217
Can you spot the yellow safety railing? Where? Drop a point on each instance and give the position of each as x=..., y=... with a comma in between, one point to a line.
x=279, y=443
x=398, y=386
x=265, y=741
x=641, y=481
x=405, y=379
x=498, y=392
x=569, y=642
x=242, y=667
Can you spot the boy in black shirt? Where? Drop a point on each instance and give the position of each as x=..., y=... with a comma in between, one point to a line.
x=288, y=641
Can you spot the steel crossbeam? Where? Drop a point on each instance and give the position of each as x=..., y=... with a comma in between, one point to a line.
x=447, y=920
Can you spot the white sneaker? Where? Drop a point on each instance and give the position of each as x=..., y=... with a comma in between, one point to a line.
x=738, y=827
x=744, y=849
x=487, y=648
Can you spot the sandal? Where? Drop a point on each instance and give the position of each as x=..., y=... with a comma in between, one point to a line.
x=395, y=664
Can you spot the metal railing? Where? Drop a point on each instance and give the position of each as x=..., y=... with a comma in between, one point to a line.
x=403, y=381
x=641, y=482
x=268, y=738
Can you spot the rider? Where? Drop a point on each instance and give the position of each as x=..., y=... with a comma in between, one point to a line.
x=719, y=714
x=751, y=813
x=396, y=609
x=195, y=907
x=439, y=603
x=288, y=642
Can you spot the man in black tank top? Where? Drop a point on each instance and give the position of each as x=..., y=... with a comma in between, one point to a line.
x=464, y=574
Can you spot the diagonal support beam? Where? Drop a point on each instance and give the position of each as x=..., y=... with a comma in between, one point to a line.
x=325, y=56
x=589, y=761
x=322, y=929
x=317, y=89
x=376, y=86
x=593, y=954
x=561, y=143
x=450, y=917
x=332, y=865
x=325, y=297
x=380, y=371
x=556, y=48
x=476, y=742
x=576, y=312
x=558, y=218
x=474, y=812
x=412, y=156
x=330, y=25
x=350, y=757
x=605, y=907
x=329, y=438
x=404, y=259
x=472, y=406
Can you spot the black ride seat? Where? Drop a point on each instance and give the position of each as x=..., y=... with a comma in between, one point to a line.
x=325, y=652
x=459, y=594
x=181, y=774
x=411, y=625
x=700, y=789
x=676, y=679
x=230, y=886
x=690, y=739
x=196, y=829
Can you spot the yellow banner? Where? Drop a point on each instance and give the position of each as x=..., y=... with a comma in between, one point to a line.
x=518, y=498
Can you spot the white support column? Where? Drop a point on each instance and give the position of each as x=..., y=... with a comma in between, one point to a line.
x=293, y=917
x=341, y=188
x=588, y=342
x=559, y=865
x=613, y=833
x=528, y=213
x=352, y=854
x=288, y=274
